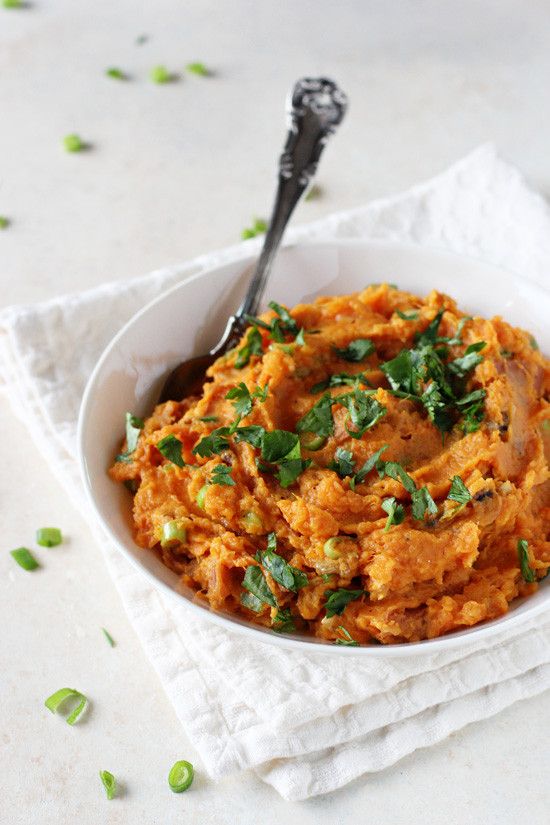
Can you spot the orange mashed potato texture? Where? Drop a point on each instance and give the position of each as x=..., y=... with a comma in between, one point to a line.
x=448, y=524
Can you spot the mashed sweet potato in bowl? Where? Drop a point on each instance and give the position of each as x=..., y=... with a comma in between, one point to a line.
x=366, y=472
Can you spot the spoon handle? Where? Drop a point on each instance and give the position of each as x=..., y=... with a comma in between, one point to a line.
x=315, y=107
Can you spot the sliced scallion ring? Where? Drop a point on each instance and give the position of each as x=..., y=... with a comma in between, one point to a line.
x=181, y=776
x=108, y=782
x=49, y=536
x=24, y=558
x=312, y=441
x=108, y=637
x=173, y=534
x=201, y=495
x=57, y=698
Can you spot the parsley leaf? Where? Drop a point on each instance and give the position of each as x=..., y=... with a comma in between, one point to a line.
x=288, y=324
x=170, y=447
x=280, y=570
x=471, y=358
x=318, y=419
x=252, y=346
x=252, y=602
x=260, y=394
x=523, y=556
x=214, y=443
x=348, y=640
x=222, y=475
x=279, y=445
x=337, y=600
x=343, y=462
x=134, y=425
x=396, y=471
x=395, y=511
x=459, y=492
x=283, y=621
x=357, y=350
x=364, y=411
x=243, y=404
x=412, y=316
x=340, y=379
x=252, y=435
x=256, y=584
x=369, y=465
x=422, y=501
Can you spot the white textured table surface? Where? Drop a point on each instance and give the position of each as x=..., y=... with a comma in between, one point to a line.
x=173, y=171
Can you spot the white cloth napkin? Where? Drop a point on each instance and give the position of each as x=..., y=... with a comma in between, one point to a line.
x=307, y=724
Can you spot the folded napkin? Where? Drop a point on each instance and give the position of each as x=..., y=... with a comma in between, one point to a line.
x=306, y=724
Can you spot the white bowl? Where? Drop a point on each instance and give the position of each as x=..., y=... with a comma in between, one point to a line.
x=190, y=318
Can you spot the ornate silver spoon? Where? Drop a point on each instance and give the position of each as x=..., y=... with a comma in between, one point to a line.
x=314, y=109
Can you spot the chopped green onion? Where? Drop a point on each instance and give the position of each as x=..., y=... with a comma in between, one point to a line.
x=12, y=4
x=108, y=782
x=57, y=698
x=24, y=558
x=349, y=641
x=181, y=776
x=49, y=536
x=198, y=69
x=4, y=222
x=160, y=74
x=73, y=143
x=330, y=547
x=108, y=637
x=118, y=74
x=201, y=494
x=173, y=534
x=252, y=520
x=312, y=441
x=257, y=228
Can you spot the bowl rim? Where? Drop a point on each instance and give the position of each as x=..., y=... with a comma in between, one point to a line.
x=257, y=633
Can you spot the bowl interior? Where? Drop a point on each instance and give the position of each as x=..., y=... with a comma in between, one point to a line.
x=190, y=318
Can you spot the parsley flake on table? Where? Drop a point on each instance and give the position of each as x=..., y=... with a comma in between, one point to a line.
x=116, y=74
x=198, y=69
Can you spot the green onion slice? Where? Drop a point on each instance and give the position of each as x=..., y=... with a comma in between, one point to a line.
x=49, y=536
x=181, y=776
x=24, y=558
x=57, y=698
x=108, y=782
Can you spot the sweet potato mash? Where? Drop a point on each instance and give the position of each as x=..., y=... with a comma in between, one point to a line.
x=366, y=468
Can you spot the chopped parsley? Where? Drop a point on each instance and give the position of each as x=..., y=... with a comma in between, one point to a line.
x=222, y=475
x=412, y=316
x=134, y=425
x=280, y=570
x=212, y=444
x=523, y=556
x=459, y=492
x=343, y=462
x=423, y=374
x=347, y=640
x=318, y=419
x=252, y=346
x=396, y=471
x=363, y=411
x=260, y=394
x=340, y=379
x=243, y=404
x=337, y=600
x=356, y=350
x=395, y=511
x=170, y=447
x=369, y=465
x=283, y=621
x=254, y=581
x=422, y=502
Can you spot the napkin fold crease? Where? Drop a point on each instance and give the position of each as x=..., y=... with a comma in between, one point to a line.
x=305, y=723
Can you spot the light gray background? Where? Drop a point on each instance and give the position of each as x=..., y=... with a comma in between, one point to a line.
x=174, y=171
